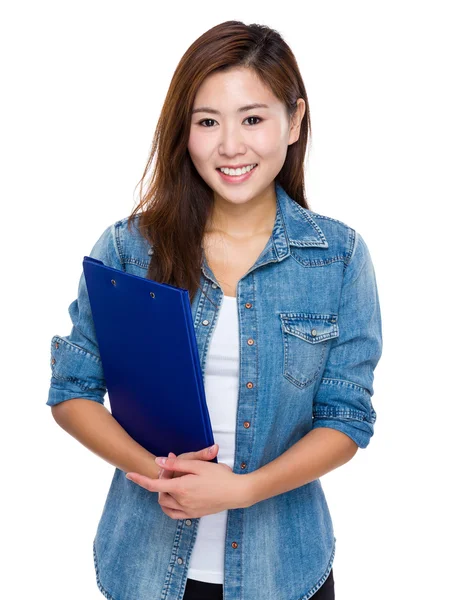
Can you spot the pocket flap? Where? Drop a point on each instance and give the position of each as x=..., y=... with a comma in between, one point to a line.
x=311, y=327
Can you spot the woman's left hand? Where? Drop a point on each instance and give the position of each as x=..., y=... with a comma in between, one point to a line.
x=207, y=488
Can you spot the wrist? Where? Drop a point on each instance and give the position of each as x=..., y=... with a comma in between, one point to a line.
x=247, y=498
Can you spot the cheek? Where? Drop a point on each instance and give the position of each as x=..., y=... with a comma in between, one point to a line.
x=198, y=147
x=269, y=143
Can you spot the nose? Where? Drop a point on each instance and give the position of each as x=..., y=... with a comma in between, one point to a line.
x=231, y=141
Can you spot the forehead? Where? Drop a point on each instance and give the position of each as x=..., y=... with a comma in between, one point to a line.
x=234, y=86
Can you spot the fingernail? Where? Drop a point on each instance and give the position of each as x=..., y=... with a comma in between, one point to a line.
x=211, y=449
x=160, y=461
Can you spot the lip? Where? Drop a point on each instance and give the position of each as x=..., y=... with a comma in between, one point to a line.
x=236, y=178
x=235, y=166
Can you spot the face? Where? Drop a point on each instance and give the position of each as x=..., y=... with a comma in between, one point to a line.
x=226, y=132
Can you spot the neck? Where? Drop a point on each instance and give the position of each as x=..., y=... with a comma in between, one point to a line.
x=245, y=220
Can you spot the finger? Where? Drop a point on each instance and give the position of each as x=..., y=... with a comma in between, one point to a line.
x=206, y=453
x=170, y=486
x=168, y=501
x=145, y=482
x=163, y=496
x=175, y=514
x=181, y=464
x=203, y=454
x=168, y=474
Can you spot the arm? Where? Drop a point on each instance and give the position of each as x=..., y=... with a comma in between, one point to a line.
x=94, y=426
x=318, y=452
x=77, y=385
x=343, y=415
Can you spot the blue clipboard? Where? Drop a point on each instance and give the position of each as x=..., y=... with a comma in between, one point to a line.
x=150, y=359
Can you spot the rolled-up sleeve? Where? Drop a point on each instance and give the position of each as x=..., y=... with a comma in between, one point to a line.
x=343, y=398
x=76, y=367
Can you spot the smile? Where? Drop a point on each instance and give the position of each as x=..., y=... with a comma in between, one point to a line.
x=236, y=175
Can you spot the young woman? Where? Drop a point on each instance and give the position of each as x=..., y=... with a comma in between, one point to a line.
x=287, y=319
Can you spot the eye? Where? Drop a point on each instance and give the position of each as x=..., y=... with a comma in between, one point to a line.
x=258, y=118
x=213, y=121
x=204, y=120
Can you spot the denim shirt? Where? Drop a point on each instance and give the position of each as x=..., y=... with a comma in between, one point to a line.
x=310, y=339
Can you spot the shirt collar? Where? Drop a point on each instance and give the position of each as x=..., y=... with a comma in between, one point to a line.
x=294, y=226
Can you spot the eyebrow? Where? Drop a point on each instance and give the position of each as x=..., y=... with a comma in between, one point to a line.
x=208, y=109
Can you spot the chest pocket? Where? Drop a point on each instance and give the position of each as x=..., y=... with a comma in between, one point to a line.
x=306, y=339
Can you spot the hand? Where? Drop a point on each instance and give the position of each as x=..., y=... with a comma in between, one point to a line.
x=206, y=488
x=204, y=454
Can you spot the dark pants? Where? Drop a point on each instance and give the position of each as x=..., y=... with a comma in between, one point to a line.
x=201, y=590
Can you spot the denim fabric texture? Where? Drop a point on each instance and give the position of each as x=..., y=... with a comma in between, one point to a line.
x=310, y=306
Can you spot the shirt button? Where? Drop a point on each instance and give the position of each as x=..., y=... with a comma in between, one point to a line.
x=234, y=545
x=250, y=342
x=180, y=560
x=249, y=385
x=214, y=285
x=188, y=522
x=205, y=322
x=57, y=345
x=246, y=424
x=53, y=361
x=313, y=332
x=248, y=305
x=243, y=466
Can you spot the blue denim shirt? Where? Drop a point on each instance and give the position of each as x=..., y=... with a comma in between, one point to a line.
x=310, y=304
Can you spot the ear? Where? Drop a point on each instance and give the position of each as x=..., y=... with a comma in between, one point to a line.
x=296, y=120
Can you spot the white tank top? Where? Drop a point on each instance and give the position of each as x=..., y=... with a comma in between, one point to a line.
x=221, y=376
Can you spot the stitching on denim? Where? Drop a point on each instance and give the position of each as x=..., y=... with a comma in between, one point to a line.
x=325, y=218
x=195, y=521
x=313, y=224
x=291, y=378
x=352, y=238
x=135, y=261
x=324, y=577
x=174, y=553
x=318, y=262
x=117, y=242
x=345, y=383
x=351, y=414
x=76, y=349
x=99, y=585
x=257, y=362
x=56, y=383
x=304, y=335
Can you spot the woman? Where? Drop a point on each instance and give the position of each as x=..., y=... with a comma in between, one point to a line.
x=287, y=320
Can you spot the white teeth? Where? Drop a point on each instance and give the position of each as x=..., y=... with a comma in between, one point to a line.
x=241, y=171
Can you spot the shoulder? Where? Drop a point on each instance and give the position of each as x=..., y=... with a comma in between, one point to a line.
x=131, y=245
x=343, y=239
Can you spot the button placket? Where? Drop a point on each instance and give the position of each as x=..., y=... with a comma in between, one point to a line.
x=246, y=406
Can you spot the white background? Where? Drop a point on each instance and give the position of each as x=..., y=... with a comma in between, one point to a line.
x=83, y=84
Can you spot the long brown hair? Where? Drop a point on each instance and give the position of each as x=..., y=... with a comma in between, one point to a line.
x=176, y=204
